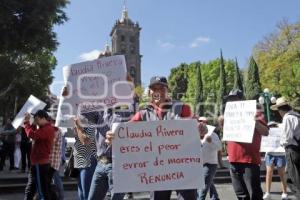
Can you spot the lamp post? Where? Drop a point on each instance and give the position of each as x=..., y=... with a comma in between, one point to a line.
x=266, y=99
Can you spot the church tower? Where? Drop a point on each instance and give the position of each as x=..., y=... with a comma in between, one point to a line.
x=125, y=37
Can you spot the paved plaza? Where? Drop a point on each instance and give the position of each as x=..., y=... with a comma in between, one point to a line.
x=225, y=192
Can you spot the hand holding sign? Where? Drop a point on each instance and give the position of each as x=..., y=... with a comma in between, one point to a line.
x=32, y=105
x=65, y=91
x=109, y=137
x=207, y=138
x=27, y=117
x=84, y=139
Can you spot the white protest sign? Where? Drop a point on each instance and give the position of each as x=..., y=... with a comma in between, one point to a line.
x=94, y=85
x=157, y=155
x=239, y=121
x=32, y=105
x=271, y=143
x=210, y=129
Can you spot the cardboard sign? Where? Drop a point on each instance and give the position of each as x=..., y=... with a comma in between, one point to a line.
x=94, y=85
x=239, y=121
x=157, y=155
x=271, y=143
x=32, y=105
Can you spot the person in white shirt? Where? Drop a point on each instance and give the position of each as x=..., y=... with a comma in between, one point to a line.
x=291, y=142
x=211, y=144
x=17, y=152
x=272, y=160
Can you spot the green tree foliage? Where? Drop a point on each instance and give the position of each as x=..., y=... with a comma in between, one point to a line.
x=238, y=82
x=26, y=26
x=222, y=88
x=252, y=85
x=199, y=109
x=178, y=81
x=210, y=73
x=278, y=57
x=190, y=95
x=26, y=51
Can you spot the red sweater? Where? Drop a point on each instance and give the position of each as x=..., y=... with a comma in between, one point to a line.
x=186, y=112
x=246, y=152
x=42, y=142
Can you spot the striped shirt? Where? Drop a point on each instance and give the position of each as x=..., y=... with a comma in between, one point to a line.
x=84, y=153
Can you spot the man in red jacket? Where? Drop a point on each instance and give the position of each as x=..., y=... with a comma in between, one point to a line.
x=244, y=158
x=161, y=107
x=43, y=137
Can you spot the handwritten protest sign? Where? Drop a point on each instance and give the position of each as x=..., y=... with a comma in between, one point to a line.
x=271, y=143
x=157, y=155
x=94, y=85
x=239, y=121
x=32, y=105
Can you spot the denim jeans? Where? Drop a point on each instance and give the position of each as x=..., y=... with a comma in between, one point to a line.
x=102, y=182
x=293, y=170
x=213, y=192
x=246, y=181
x=59, y=185
x=85, y=179
x=181, y=195
x=38, y=180
x=209, y=171
x=8, y=150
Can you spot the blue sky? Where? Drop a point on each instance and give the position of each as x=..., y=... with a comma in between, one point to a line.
x=173, y=31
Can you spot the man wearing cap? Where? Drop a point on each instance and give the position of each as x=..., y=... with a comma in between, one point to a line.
x=161, y=108
x=291, y=142
x=43, y=137
x=244, y=158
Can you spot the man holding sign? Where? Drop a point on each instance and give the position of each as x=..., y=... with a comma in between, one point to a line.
x=42, y=136
x=244, y=157
x=161, y=108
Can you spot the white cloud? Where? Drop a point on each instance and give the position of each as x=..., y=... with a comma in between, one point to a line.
x=90, y=55
x=165, y=45
x=199, y=40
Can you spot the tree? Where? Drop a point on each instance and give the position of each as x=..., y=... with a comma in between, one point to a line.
x=178, y=81
x=26, y=26
x=210, y=73
x=26, y=50
x=278, y=58
x=199, y=109
x=238, y=83
x=253, y=86
x=222, y=89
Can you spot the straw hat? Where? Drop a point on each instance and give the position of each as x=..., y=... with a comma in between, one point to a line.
x=202, y=119
x=279, y=102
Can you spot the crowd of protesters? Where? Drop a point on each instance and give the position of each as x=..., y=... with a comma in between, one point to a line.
x=38, y=147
